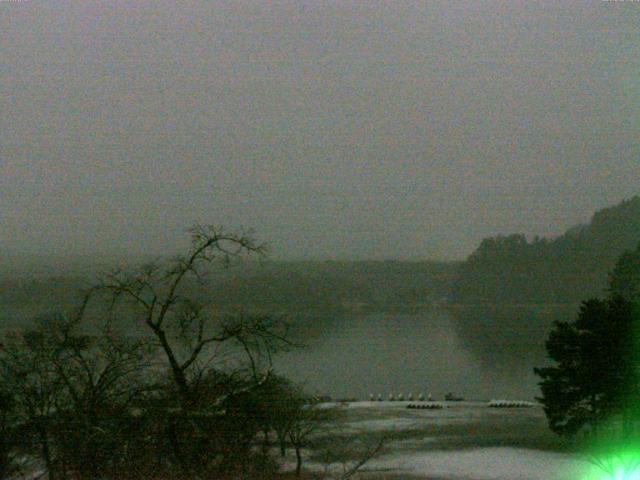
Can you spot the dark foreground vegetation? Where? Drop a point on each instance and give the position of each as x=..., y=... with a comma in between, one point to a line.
x=591, y=391
x=192, y=395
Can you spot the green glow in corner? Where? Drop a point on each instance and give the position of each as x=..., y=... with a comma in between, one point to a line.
x=610, y=464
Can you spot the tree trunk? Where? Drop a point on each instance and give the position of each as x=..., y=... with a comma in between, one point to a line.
x=176, y=447
x=298, y=461
x=282, y=443
x=46, y=454
x=178, y=374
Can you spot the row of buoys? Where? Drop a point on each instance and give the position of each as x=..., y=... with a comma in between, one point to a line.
x=510, y=404
x=399, y=397
x=426, y=406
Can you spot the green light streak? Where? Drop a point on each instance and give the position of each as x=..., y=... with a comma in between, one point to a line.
x=614, y=460
x=623, y=467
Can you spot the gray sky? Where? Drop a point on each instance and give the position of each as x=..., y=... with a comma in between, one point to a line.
x=342, y=129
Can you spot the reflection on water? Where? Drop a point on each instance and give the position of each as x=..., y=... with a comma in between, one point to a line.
x=478, y=352
x=360, y=354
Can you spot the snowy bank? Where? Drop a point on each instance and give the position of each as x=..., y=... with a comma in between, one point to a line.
x=504, y=463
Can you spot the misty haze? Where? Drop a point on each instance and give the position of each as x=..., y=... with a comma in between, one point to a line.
x=319, y=240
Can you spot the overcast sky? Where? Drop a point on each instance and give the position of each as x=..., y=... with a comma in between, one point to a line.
x=336, y=130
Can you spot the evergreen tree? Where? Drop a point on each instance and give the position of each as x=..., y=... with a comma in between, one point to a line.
x=624, y=280
x=597, y=358
x=596, y=369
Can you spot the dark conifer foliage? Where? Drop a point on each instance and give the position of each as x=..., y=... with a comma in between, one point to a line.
x=596, y=361
x=624, y=280
x=596, y=371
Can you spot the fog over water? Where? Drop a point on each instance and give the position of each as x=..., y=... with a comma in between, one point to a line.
x=401, y=353
x=336, y=130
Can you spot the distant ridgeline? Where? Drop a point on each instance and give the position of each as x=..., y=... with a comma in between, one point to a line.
x=566, y=269
x=308, y=286
x=295, y=288
x=510, y=290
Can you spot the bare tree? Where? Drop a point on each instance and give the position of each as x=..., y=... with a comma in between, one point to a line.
x=344, y=455
x=96, y=403
x=367, y=454
x=72, y=393
x=226, y=355
x=184, y=327
x=26, y=371
x=103, y=374
x=347, y=455
x=304, y=423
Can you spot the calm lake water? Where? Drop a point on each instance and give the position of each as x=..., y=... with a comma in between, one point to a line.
x=361, y=354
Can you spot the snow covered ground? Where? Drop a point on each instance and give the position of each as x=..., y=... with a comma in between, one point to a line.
x=503, y=463
x=462, y=441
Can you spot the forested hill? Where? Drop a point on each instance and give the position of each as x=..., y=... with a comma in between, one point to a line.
x=36, y=288
x=566, y=269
